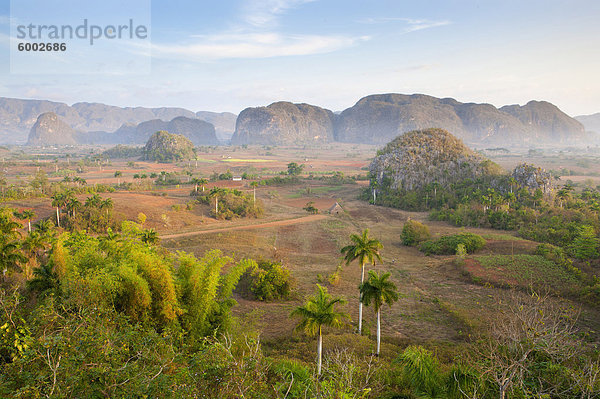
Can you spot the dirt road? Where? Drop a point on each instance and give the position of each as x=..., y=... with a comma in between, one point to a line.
x=278, y=223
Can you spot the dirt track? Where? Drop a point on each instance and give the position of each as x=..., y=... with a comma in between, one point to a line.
x=278, y=223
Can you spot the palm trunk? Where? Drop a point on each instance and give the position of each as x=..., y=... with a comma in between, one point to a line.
x=57, y=218
x=378, y=330
x=360, y=305
x=216, y=206
x=319, y=353
x=29, y=226
x=254, y=201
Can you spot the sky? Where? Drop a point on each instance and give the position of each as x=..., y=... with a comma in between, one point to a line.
x=228, y=55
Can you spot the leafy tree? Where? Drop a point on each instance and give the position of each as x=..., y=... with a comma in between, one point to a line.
x=318, y=312
x=365, y=250
x=310, y=208
x=413, y=233
x=378, y=290
x=294, y=169
x=585, y=246
x=118, y=175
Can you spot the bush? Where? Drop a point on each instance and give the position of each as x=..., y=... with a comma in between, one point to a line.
x=448, y=245
x=268, y=281
x=414, y=233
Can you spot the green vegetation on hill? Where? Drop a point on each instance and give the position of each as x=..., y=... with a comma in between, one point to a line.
x=166, y=147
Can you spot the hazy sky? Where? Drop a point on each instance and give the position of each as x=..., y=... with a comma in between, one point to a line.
x=228, y=55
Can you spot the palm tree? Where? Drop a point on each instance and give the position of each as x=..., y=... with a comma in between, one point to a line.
x=28, y=214
x=378, y=290
x=203, y=182
x=72, y=205
x=106, y=204
x=58, y=201
x=118, y=175
x=149, y=236
x=254, y=184
x=364, y=249
x=216, y=192
x=10, y=256
x=318, y=312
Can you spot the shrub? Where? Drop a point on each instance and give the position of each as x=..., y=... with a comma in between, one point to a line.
x=267, y=281
x=414, y=233
x=448, y=245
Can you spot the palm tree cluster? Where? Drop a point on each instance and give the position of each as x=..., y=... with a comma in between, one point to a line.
x=319, y=310
x=94, y=214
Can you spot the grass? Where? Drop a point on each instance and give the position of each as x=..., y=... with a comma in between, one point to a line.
x=525, y=270
x=247, y=160
x=315, y=191
x=501, y=237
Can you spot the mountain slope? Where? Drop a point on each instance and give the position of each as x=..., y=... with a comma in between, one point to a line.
x=591, y=122
x=49, y=129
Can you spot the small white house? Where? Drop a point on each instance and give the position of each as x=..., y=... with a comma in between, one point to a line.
x=237, y=178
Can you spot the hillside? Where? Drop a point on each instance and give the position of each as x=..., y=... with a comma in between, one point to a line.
x=380, y=118
x=224, y=123
x=284, y=123
x=166, y=147
x=419, y=158
x=591, y=122
x=49, y=129
x=198, y=131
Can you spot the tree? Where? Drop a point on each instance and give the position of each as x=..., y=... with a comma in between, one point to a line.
x=318, y=312
x=203, y=182
x=149, y=236
x=294, y=169
x=254, y=184
x=525, y=330
x=585, y=245
x=378, y=290
x=365, y=250
x=106, y=204
x=310, y=208
x=118, y=175
x=58, y=201
x=28, y=214
x=10, y=256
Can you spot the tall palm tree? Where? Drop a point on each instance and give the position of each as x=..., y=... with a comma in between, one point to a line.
x=72, y=205
x=318, y=312
x=203, y=182
x=10, y=256
x=28, y=214
x=378, y=290
x=58, y=201
x=254, y=184
x=365, y=250
x=118, y=175
x=106, y=204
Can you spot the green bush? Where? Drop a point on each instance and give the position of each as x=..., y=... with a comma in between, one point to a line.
x=267, y=281
x=414, y=233
x=448, y=245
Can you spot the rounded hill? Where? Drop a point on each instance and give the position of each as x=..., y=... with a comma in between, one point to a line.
x=166, y=147
x=422, y=157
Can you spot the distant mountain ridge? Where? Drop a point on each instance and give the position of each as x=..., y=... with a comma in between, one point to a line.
x=17, y=117
x=591, y=122
x=379, y=118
